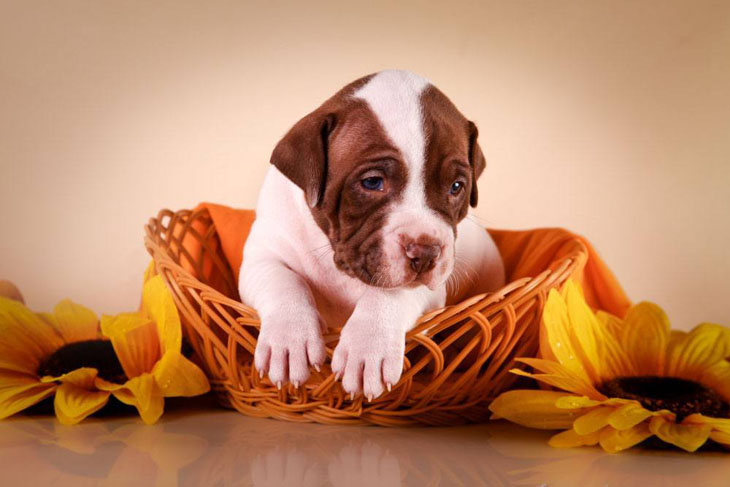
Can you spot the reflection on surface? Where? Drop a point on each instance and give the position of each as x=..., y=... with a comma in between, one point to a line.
x=215, y=447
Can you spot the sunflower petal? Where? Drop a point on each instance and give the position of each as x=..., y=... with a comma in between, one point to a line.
x=610, y=323
x=134, y=338
x=26, y=338
x=717, y=378
x=22, y=394
x=142, y=392
x=157, y=302
x=534, y=409
x=717, y=424
x=704, y=346
x=644, y=335
x=571, y=439
x=616, y=362
x=20, y=391
x=587, y=332
x=82, y=377
x=675, y=345
x=104, y=385
x=720, y=437
x=688, y=437
x=613, y=440
x=177, y=376
x=73, y=403
x=75, y=323
x=10, y=380
x=616, y=359
x=572, y=402
x=546, y=366
x=594, y=420
x=565, y=383
x=556, y=369
x=628, y=416
x=23, y=399
x=575, y=402
x=557, y=335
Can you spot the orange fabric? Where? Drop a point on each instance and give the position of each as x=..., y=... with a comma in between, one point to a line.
x=233, y=227
x=526, y=253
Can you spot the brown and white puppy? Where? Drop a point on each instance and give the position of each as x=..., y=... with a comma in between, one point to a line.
x=361, y=222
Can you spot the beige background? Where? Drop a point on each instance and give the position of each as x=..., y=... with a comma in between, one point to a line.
x=608, y=118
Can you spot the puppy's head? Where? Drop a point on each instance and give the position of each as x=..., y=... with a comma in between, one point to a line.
x=388, y=167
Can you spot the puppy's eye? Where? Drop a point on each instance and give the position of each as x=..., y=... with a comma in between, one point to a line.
x=456, y=188
x=373, y=183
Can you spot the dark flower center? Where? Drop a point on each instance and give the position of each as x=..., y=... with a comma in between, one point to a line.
x=98, y=354
x=680, y=396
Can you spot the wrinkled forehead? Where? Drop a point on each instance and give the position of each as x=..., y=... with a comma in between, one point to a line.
x=395, y=99
x=405, y=112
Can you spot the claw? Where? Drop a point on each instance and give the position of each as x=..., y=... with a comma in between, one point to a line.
x=278, y=385
x=261, y=374
x=370, y=398
x=352, y=396
x=296, y=384
x=389, y=386
x=317, y=368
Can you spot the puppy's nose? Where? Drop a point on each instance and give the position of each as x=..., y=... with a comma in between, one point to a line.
x=423, y=257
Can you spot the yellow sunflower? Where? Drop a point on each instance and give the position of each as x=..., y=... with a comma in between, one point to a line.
x=40, y=355
x=620, y=382
x=136, y=357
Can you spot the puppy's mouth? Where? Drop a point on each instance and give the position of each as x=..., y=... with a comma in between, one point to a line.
x=370, y=266
x=376, y=277
x=362, y=262
x=380, y=276
x=384, y=280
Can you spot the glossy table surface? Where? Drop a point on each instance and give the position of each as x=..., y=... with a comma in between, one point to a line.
x=209, y=446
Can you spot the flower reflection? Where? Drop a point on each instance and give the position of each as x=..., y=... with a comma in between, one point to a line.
x=98, y=453
x=527, y=461
x=42, y=452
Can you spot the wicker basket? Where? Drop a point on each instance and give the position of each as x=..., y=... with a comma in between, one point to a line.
x=457, y=358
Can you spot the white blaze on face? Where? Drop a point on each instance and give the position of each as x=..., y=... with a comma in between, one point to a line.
x=395, y=98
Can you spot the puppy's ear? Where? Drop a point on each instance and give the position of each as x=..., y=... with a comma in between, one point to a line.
x=476, y=161
x=301, y=155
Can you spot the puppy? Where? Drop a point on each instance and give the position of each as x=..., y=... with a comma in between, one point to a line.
x=361, y=222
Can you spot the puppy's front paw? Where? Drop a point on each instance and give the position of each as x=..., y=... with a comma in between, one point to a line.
x=286, y=347
x=369, y=358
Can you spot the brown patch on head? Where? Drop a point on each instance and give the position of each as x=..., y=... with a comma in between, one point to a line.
x=453, y=156
x=302, y=154
x=328, y=153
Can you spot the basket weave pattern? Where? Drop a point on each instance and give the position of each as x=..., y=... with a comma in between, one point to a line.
x=457, y=358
